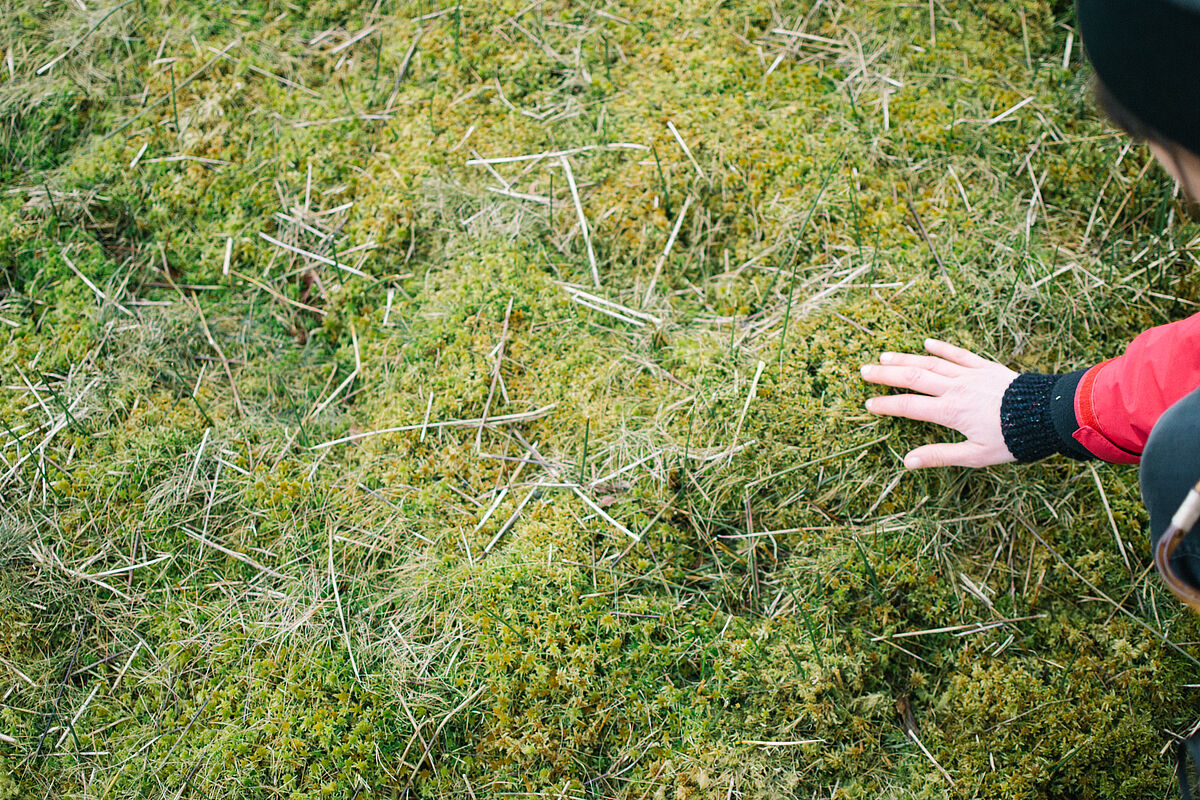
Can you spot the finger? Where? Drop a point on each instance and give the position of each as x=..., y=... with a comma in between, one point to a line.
x=915, y=378
x=958, y=355
x=954, y=454
x=911, y=406
x=939, y=365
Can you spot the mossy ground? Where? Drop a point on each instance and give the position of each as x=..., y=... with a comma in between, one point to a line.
x=199, y=599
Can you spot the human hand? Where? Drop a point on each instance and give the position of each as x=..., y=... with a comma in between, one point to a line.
x=957, y=389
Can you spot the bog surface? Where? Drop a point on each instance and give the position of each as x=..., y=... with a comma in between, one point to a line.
x=462, y=400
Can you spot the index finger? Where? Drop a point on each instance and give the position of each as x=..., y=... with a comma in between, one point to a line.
x=955, y=354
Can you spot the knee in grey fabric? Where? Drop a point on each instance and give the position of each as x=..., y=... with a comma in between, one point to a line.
x=1171, y=466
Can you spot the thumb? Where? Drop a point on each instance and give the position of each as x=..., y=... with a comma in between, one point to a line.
x=955, y=454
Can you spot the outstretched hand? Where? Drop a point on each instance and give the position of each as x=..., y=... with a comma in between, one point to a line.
x=955, y=388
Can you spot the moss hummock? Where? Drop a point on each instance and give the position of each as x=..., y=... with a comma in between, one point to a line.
x=330, y=472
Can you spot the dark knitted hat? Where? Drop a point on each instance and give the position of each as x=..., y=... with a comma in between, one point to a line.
x=1147, y=54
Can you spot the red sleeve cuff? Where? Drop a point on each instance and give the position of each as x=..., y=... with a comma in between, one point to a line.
x=1088, y=434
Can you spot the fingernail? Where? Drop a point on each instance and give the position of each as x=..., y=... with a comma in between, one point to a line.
x=929, y=341
x=865, y=370
x=912, y=462
x=884, y=358
x=871, y=404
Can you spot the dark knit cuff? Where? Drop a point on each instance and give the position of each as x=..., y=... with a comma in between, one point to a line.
x=1025, y=417
x=1062, y=411
x=1037, y=416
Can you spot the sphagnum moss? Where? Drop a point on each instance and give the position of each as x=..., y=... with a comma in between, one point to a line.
x=193, y=600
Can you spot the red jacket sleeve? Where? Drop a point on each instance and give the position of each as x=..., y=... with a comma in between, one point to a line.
x=1118, y=401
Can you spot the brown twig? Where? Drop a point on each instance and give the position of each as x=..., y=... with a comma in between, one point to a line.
x=912, y=209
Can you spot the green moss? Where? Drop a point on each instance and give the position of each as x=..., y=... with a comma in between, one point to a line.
x=251, y=614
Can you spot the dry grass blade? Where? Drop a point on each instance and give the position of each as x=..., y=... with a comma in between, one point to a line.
x=185, y=82
x=237, y=398
x=499, y=350
x=971, y=627
x=95, y=290
x=1003, y=115
x=583, y=225
x=245, y=559
x=686, y=151
x=314, y=256
x=425, y=754
x=667, y=250
x=533, y=198
x=737, y=432
x=912, y=209
x=912, y=734
x=141, y=152
x=70, y=726
x=50, y=64
x=350, y=42
x=337, y=596
x=508, y=523
x=267, y=74
x=491, y=508
x=277, y=295
x=425, y=421
x=605, y=306
x=51, y=559
x=1111, y=521
x=555, y=153
x=470, y=423
x=604, y=515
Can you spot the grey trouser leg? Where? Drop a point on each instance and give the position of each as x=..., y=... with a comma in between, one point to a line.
x=1171, y=466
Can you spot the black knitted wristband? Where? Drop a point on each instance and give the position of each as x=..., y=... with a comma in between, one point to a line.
x=1025, y=417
